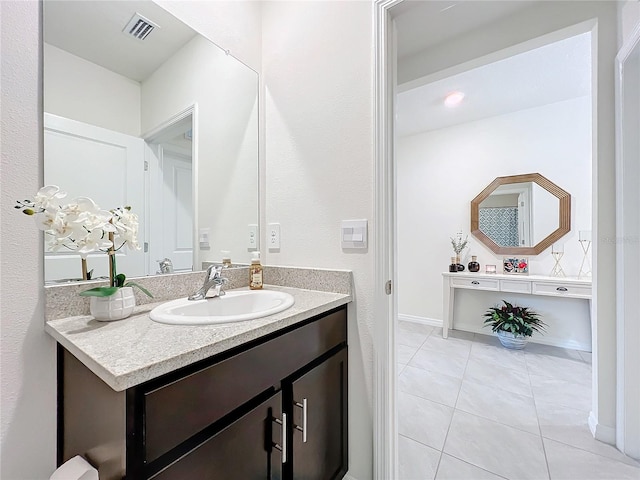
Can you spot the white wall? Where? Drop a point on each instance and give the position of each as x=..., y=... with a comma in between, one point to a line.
x=80, y=90
x=226, y=133
x=28, y=393
x=545, y=18
x=317, y=59
x=231, y=24
x=439, y=172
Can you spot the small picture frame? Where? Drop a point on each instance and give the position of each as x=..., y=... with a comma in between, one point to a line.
x=489, y=269
x=515, y=266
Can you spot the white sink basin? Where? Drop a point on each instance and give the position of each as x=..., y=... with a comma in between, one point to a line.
x=234, y=306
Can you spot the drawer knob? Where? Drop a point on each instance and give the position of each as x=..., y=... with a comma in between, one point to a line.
x=562, y=289
x=475, y=282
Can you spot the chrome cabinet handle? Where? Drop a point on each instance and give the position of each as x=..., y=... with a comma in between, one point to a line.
x=283, y=447
x=302, y=429
x=562, y=289
x=475, y=282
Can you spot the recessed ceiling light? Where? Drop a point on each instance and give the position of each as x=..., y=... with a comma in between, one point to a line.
x=453, y=99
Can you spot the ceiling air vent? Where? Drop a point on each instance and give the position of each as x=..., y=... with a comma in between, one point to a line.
x=139, y=27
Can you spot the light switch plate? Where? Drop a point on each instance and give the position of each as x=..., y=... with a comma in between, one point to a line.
x=252, y=239
x=353, y=233
x=273, y=236
x=203, y=238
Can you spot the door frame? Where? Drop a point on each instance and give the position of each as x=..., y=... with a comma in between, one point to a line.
x=385, y=451
x=602, y=418
x=628, y=258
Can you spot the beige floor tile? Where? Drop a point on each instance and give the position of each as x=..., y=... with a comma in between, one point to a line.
x=417, y=461
x=561, y=392
x=574, y=371
x=433, y=386
x=570, y=426
x=504, y=450
x=422, y=420
x=570, y=463
x=504, y=407
x=405, y=353
x=440, y=362
x=452, y=468
x=516, y=381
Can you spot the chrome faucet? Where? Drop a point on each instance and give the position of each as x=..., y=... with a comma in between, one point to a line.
x=214, y=279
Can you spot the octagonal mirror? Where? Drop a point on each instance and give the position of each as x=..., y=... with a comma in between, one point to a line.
x=521, y=214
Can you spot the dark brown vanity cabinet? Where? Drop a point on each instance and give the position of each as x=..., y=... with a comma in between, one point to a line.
x=274, y=408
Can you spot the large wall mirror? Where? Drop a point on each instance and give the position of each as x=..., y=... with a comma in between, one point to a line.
x=154, y=116
x=521, y=214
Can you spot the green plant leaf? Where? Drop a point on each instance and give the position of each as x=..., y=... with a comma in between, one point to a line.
x=142, y=289
x=99, y=292
x=120, y=279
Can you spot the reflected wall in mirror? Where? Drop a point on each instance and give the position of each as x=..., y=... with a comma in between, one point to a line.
x=167, y=125
x=521, y=214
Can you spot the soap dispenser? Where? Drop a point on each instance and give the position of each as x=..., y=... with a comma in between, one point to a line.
x=255, y=272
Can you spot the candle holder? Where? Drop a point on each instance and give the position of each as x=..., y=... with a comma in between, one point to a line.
x=557, y=251
x=584, y=237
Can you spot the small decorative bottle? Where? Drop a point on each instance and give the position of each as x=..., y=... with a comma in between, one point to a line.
x=460, y=266
x=226, y=258
x=474, y=266
x=255, y=272
x=454, y=266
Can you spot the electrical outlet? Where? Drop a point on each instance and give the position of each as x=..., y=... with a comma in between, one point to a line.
x=273, y=236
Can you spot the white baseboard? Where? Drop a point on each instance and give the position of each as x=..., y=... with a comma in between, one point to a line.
x=544, y=340
x=601, y=432
x=349, y=477
x=434, y=322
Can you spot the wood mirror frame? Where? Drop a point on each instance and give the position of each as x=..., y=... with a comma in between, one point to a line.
x=564, y=214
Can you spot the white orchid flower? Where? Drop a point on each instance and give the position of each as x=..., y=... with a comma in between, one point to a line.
x=93, y=241
x=126, y=224
x=48, y=197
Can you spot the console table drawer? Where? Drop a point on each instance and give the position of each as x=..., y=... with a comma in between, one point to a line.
x=555, y=289
x=478, y=283
x=515, y=286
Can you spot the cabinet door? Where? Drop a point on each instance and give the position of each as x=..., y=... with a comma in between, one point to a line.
x=242, y=451
x=324, y=390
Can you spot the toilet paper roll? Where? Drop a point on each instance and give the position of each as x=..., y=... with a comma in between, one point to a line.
x=76, y=468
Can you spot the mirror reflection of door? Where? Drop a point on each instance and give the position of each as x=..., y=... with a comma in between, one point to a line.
x=107, y=166
x=170, y=154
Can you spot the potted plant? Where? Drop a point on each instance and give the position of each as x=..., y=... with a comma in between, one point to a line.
x=513, y=325
x=81, y=226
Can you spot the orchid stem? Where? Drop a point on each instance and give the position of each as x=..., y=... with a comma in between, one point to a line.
x=85, y=275
x=112, y=262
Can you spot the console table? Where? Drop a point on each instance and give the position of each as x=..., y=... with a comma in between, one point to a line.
x=527, y=284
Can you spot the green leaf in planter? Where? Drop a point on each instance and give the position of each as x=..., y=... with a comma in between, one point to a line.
x=142, y=289
x=99, y=292
x=120, y=279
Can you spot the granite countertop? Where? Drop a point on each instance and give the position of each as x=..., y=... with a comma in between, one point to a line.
x=128, y=352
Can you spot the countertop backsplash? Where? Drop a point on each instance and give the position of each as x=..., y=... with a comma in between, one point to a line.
x=64, y=300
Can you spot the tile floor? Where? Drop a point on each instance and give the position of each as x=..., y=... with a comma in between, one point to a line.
x=470, y=409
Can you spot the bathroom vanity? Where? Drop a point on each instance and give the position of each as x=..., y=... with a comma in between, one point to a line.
x=265, y=398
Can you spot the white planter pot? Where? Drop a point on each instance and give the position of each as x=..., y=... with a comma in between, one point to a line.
x=114, y=307
x=509, y=341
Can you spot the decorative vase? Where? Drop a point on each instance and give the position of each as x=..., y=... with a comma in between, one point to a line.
x=460, y=266
x=114, y=307
x=474, y=266
x=509, y=341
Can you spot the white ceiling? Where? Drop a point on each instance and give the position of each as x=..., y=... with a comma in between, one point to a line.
x=425, y=23
x=552, y=73
x=92, y=30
